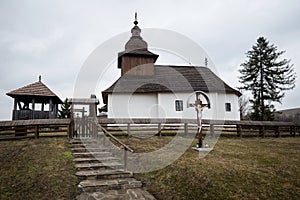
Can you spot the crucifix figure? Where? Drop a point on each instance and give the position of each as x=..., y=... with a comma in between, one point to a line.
x=199, y=105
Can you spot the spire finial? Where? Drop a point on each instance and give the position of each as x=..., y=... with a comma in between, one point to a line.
x=135, y=19
x=40, y=78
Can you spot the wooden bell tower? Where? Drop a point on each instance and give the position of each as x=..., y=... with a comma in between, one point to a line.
x=136, y=59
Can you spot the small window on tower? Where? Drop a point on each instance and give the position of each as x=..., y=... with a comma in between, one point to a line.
x=179, y=105
x=228, y=107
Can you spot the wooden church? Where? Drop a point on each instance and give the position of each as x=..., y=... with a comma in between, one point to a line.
x=147, y=90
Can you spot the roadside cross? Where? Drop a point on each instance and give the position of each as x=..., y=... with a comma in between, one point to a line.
x=199, y=106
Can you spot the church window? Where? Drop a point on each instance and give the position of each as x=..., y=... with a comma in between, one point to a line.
x=179, y=105
x=228, y=107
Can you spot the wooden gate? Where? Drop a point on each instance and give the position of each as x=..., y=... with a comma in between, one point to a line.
x=83, y=116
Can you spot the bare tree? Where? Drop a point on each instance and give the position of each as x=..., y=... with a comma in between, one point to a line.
x=243, y=107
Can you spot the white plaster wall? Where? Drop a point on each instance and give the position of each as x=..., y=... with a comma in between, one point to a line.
x=217, y=110
x=167, y=102
x=162, y=105
x=132, y=105
x=235, y=113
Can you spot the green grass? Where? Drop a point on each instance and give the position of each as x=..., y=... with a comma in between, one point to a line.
x=37, y=169
x=247, y=168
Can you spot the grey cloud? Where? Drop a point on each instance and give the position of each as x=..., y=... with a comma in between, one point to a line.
x=54, y=38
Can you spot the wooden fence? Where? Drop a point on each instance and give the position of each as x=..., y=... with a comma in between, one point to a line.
x=23, y=128
x=228, y=127
x=147, y=126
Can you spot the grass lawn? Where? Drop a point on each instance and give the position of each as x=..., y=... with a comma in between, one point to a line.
x=247, y=168
x=37, y=169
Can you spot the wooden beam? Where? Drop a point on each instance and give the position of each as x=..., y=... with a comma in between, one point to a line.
x=36, y=132
x=192, y=121
x=55, y=108
x=19, y=104
x=33, y=104
x=15, y=104
x=79, y=110
x=50, y=108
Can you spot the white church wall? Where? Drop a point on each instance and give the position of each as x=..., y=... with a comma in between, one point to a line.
x=132, y=105
x=234, y=114
x=217, y=110
x=162, y=105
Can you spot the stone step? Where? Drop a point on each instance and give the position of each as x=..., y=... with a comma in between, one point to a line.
x=96, y=160
x=91, y=145
x=103, y=174
x=92, y=154
x=104, y=185
x=82, y=141
x=77, y=146
x=99, y=165
x=129, y=194
x=89, y=149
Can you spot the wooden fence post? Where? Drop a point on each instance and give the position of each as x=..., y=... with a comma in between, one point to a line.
x=104, y=137
x=94, y=130
x=21, y=131
x=277, y=131
x=186, y=129
x=128, y=129
x=69, y=130
x=262, y=131
x=159, y=129
x=212, y=130
x=36, y=132
x=125, y=158
x=239, y=130
x=293, y=131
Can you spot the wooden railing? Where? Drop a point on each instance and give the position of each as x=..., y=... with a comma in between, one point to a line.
x=33, y=114
x=119, y=143
x=21, y=128
x=124, y=146
x=241, y=127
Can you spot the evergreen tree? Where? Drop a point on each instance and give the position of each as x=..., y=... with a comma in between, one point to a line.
x=267, y=77
x=65, y=111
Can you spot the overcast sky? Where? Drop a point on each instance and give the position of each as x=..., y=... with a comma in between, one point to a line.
x=54, y=38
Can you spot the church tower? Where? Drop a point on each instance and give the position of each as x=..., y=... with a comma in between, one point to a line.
x=136, y=59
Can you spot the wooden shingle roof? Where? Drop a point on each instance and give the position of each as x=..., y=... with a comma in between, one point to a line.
x=38, y=90
x=144, y=52
x=171, y=79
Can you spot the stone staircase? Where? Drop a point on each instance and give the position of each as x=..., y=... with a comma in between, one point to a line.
x=102, y=176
